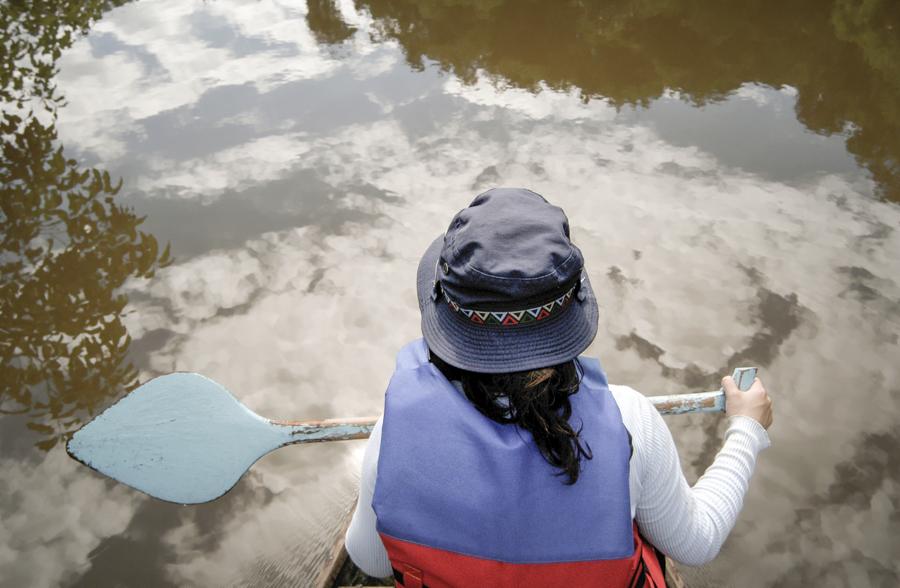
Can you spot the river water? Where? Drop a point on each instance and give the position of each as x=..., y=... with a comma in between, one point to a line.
x=732, y=176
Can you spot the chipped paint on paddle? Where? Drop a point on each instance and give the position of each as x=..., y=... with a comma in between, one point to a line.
x=690, y=403
x=184, y=438
x=703, y=401
x=329, y=429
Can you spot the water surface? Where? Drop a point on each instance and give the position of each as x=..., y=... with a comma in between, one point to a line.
x=730, y=174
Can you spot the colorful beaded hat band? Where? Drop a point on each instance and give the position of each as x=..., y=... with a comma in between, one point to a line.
x=511, y=318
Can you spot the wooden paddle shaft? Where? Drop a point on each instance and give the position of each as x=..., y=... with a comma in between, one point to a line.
x=360, y=428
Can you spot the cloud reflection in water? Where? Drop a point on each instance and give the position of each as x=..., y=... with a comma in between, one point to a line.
x=304, y=321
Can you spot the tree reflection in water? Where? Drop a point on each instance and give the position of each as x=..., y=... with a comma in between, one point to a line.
x=66, y=243
x=843, y=56
x=324, y=20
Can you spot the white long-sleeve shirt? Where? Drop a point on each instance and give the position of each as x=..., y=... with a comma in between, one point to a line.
x=689, y=524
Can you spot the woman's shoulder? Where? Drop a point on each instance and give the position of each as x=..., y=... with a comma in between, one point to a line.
x=629, y=398
x=636, y=409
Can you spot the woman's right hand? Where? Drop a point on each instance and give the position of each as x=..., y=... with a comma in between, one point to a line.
x=754, y=403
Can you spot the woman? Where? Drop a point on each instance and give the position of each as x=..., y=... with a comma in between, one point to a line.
x=504, y=459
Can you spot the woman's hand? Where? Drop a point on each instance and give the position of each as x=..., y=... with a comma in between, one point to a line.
x=754, y=403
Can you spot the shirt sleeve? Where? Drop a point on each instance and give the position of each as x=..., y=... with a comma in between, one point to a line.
x=690, y=524
x=362, y=541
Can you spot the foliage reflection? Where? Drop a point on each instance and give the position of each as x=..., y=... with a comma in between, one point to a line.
x=66, y=243
x=843, y=56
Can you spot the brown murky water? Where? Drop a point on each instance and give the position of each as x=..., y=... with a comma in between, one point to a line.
x=731, y=173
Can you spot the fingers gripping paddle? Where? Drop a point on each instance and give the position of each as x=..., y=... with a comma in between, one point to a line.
x=184, y=438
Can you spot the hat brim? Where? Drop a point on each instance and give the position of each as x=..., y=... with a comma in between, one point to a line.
x=499, y=349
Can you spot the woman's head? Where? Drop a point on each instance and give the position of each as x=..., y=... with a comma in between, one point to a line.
x=506, y=309
x=504, y=290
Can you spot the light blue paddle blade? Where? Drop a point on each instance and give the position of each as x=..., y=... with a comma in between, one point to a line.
x=180, y=437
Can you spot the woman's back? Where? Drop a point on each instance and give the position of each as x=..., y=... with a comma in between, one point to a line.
x=450, y=478
x=687, y=524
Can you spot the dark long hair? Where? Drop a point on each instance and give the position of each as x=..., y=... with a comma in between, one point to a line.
x=535, y=400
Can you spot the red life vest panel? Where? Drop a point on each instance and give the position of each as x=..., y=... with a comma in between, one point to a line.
x=462, y=500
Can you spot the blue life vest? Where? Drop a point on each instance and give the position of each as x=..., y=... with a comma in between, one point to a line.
x=462, y=500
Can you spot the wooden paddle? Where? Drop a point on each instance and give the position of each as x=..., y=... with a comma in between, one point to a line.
x=184, y=438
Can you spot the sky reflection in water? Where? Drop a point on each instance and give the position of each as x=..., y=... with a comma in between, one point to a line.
x=299, y=181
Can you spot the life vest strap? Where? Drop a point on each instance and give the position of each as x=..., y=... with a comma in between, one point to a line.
x=409, y=578
x=412, y=578
x=650, y=570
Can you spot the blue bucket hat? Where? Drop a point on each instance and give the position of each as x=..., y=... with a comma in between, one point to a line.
x=504, y=289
